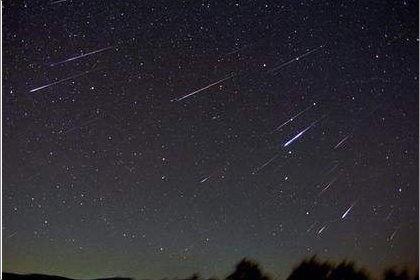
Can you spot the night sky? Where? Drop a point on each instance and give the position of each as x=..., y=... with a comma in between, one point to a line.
x=154, y=139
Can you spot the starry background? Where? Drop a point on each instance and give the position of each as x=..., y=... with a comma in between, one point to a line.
x=107, y=171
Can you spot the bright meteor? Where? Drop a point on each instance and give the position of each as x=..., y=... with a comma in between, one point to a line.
x=297, y=136
x=348, y=210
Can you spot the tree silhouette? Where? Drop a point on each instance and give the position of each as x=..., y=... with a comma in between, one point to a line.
x=347, y=271
x=314, y=269
x=311, y=269
x=247, y=270
x=393, y=274
x=195, y=276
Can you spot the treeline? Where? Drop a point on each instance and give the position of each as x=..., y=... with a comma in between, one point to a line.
x=313, y=269
x=309, y=269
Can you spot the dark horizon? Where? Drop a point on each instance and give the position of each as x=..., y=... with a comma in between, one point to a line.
x=246, y=268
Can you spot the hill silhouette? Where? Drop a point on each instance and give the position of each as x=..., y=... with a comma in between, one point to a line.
x=247, y=269
x=14, y=276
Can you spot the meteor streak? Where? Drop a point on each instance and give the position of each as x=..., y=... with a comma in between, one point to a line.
x=81, y=56
x=205, y=179
x=322, y=229
x=11, y=235
x=60, y=81
x=293, y=60
x=311, y=227
x=393, y=235
x=297, y=136
x=341, y=142
x=389, y=215
x=204, y=88
x=333, y=168
x=237, y=50
x=348, y=210
x=59, y=1
x=328, y=185
x=292, y=118
x=264, y=165
x=82, y=124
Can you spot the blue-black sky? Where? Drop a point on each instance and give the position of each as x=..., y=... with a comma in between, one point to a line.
x=157, y=138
